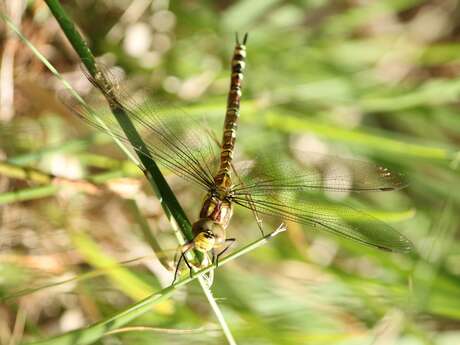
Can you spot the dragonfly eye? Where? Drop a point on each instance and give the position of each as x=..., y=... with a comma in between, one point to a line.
x=208, y=235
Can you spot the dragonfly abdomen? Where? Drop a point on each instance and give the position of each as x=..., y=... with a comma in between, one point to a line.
x=232, y=114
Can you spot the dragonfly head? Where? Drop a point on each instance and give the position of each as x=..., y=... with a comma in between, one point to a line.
x=208, y=234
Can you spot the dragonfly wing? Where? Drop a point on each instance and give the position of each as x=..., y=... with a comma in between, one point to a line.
x=290, y=191
x=340, y=220
x=176, y=141
x=321, y=173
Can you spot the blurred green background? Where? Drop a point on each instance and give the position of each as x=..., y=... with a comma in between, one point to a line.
x=374, y=80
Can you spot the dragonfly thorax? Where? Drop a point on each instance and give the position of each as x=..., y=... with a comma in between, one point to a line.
x=217, y=208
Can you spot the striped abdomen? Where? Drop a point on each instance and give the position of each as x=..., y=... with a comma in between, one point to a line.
x=223, y=176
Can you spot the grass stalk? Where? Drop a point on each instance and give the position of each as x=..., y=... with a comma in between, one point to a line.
x=219, y=315
x=94, y=332
x=27, y=194
x=146, y=231
x=71, y=146
x=25, y=173
x=167, y=198
x=37, y=176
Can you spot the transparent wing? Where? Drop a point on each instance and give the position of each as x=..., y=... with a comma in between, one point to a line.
x=290, y=192
x=340, y=220
x=319, y=173
x=175, y=141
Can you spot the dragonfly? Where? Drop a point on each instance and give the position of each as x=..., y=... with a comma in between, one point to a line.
x=184, y=147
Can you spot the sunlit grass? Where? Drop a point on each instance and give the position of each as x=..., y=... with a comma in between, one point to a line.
x=367, y=80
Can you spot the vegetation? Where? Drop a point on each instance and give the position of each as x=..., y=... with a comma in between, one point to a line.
x=85, y=240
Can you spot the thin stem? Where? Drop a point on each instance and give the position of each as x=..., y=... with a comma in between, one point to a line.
x=94, y=332
x=40, y=177
x=70, y=146
x=28, y=194
x=25, y=173
x=146, y=231
x=215, y=307
x=168, y=200
x=161, y=330
x=73, y=35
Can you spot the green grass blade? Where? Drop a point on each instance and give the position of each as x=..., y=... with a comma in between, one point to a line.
x=146, y=231
x=94, y=332
x=169, y=202
x=28, y=194
x=293, y=124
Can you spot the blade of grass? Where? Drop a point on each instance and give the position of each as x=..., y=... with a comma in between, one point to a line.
x=220, y=316
x=294, y=124
x=146, y=231
x=25, y=173
x=94, y=332
x=63, y=81
x=152, y=172
x=161, y=330
x=90, y=184
x=44, y=178
x=28, y=194
x=78, y=278
x=170, y=205
x=381, y=141
x=169, y=202
x=70, y=146
x=123, y=278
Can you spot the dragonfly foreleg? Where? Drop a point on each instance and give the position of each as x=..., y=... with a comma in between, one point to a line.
x=187, y=263
x=231, y=242
x=259, y=222
x=213, y=257
x=250, y=203
x=182, y=257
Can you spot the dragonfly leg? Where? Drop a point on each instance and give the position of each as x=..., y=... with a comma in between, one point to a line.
x=182, y=257
x=248, y=197
x=232, y=241
x=259, y=223
x=179, y=249
x=177, y=268
x=255, y=213
x=187, y=263
x=213, y=256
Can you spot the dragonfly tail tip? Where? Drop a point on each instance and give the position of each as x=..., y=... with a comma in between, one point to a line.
x=243, y=42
